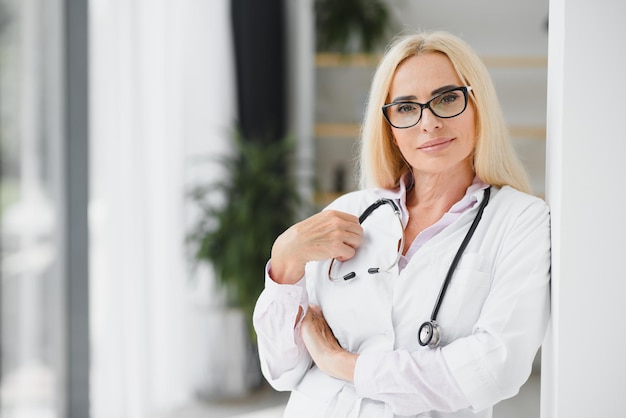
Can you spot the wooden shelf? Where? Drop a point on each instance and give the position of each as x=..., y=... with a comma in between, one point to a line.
x=337, y=130
x=515, y=62
x=323, y=199
x=530, y=132
x=325, y=60
x=330, y=60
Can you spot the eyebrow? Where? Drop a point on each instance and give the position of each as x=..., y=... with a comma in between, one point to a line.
x=432, y=93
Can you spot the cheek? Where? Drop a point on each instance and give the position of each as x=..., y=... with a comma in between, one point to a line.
x=469, y=126
x=401, y=137
x=472, y=120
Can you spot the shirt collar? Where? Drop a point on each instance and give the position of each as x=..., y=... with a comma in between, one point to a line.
x=406, y=182
x=471, y=196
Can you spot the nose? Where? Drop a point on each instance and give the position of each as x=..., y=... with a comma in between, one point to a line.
x=429, y=120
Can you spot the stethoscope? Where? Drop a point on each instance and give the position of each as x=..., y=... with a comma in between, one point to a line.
x=429, y=333
x=374, y=270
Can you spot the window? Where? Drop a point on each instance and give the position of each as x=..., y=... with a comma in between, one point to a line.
x=43, y=165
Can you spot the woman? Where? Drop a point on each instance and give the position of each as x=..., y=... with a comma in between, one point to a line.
x=435, y=302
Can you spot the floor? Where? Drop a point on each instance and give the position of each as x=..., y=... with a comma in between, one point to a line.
x=267, y=403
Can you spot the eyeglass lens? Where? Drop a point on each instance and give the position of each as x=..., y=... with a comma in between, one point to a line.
x=446, y=105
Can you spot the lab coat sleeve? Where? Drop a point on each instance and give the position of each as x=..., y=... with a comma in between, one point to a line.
x=493, y=362
x=496, y=360
x=409, y=382
x=283, y=355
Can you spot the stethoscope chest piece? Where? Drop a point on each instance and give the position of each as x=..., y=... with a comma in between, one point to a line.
x=428, y=334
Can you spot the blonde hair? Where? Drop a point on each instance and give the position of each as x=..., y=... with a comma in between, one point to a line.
x=495, y=161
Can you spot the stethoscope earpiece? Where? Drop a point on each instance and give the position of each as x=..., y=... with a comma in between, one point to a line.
x=428, y=334
x=373, y=270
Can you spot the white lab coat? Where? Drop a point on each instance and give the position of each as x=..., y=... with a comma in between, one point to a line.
x=493, y=317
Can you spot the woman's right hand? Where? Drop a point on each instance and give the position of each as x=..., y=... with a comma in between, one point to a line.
x=328, y=234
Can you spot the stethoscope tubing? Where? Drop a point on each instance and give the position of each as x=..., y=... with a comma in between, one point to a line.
x=459, y=253
x=431, y=328
x=371, y=208
x=366, y=213
x=432, y=333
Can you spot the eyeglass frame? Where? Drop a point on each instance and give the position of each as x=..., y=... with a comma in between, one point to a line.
x=464, y=89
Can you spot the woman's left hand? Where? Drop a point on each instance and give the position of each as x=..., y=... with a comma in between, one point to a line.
x=323, y=347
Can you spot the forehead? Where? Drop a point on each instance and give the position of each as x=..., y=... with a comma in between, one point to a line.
x=419, y=75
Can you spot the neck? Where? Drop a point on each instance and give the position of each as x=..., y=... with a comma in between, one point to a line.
x=438, y=192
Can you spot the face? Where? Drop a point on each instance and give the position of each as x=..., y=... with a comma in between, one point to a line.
x=434, y=145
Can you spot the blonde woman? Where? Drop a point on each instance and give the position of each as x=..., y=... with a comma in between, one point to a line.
x=426, y=293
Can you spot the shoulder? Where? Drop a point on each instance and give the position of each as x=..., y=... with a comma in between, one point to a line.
x=354, y=202
x=509, y=196
x=511, y=203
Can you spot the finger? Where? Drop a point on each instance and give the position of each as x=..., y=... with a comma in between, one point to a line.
x=345, y=221
x=328, y=234
x=342, y=228
x=316, y=309
x=344, y=253
x=331, y=220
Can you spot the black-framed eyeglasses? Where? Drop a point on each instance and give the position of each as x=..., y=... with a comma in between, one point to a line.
x=448, y=104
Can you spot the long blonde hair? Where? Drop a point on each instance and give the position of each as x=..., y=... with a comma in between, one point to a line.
x=495, y=161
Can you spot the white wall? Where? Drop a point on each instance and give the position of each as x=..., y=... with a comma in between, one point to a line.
x=584, y=363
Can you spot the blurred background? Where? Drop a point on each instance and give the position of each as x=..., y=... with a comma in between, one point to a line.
x=151, y=150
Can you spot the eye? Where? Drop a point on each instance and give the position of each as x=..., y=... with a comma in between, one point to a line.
x=406, y=107
x=448, y=98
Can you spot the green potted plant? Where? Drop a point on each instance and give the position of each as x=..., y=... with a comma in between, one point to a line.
x=240, y=217
x=260, y=202
x=351, y=25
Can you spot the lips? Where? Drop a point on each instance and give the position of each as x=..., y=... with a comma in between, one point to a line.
x=435, y=144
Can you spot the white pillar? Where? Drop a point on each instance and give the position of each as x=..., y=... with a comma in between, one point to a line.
x=301, y=54
x=584, y=358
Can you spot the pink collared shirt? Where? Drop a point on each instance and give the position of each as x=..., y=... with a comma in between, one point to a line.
x=466, y=203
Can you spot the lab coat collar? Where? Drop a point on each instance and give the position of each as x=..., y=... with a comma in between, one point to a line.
x=398, y=194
